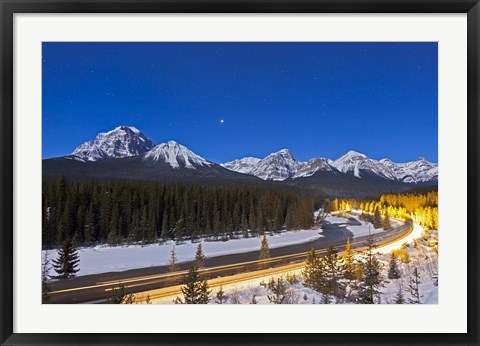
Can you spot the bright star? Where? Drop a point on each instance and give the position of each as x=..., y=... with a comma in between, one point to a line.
x=221, y=121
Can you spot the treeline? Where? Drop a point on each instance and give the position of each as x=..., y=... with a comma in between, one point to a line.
x=421, y=208
x=133, y=212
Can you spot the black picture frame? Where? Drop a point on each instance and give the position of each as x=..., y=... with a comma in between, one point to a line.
x=10, y=7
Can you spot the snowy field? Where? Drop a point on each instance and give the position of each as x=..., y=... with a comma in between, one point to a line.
x=102, y=259
x=421, y=256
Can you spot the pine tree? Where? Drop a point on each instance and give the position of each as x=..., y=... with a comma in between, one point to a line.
x=195, y=290
x=332, y=272
x=377, y=219
x=312, y=271
x=278, y=289
x=371, y=281
x=221, y=298
x=45, y=286
x=413, y=287
x=386, y=224
x=393, y=271
x=314, y=275
x=172, y=261
x=67, y=262
x=264, y=253
x=399, y=296
x=199, y=257
x=348, y=262
x=119, y=296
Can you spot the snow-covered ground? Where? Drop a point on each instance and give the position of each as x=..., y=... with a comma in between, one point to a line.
x=360, y=230
x=420, y=256
x=101, y=259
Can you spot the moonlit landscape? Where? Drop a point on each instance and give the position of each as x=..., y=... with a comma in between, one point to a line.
x=240, y=173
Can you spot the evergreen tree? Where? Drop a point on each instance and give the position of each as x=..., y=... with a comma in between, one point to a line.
x=348, y=262
x=387, y=224
x=312, y=272
x=399, y=296
x=221, y=298
x=377, y=219
x=393, y=271
x=413, y=287
x=172, y=261
x=199, y=257
x=195, y=290
x=264, y=253
x=371, y=281
x=315, y=277
x=119, y=296
x=67, y=262
x=278, y=289
x=332, y=273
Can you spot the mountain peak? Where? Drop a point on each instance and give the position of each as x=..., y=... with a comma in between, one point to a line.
x=122, y=141
x=353, y=153
x=176, y=155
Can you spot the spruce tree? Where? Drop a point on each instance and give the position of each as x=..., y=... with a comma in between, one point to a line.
x=393, y=271
x=66, y=265
x=332, y=272
x=348, y=262
x=371, y=281
x=264, y=253
x=278, y=289
x=312, y=271
x=399, y=296
x=119, y=296
x=387, y=224
x=377, y=219
x=199, y=257
x=413, y=287
x=221, y=297
x=172, y=261
x=195, y=290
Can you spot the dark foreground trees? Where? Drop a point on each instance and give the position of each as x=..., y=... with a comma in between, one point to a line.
x=195, y=290
x=66, y=265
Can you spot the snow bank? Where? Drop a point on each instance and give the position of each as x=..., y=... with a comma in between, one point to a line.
x=101, y=259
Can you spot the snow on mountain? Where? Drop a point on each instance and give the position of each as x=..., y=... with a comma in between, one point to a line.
x=277, y=166
x=123, y=141
x=176, y=155
x=313, y=166
x=417, y=171
x=353, y=162
x=282, y=165
x=244, y=165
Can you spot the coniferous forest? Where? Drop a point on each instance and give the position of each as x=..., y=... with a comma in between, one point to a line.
x=115, y=213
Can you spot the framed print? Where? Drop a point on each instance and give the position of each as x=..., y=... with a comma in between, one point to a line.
x=244, y=172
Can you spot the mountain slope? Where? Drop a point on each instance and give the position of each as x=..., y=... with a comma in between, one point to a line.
x=123, y=141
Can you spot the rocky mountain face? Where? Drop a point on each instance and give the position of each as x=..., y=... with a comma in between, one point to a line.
x=281, y=166
x=123, y=141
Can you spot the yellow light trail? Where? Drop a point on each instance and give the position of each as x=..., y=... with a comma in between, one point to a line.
x=137, y=281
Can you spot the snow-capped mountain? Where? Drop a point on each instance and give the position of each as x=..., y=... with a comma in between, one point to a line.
x=417, y=171
x=123, y=141
x=314, y=165
x=277, y=166
x=281, y=165
x=176, y=155
x=353, y=163
x=244, y=165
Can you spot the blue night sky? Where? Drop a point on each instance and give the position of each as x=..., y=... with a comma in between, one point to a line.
x=316, y=99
